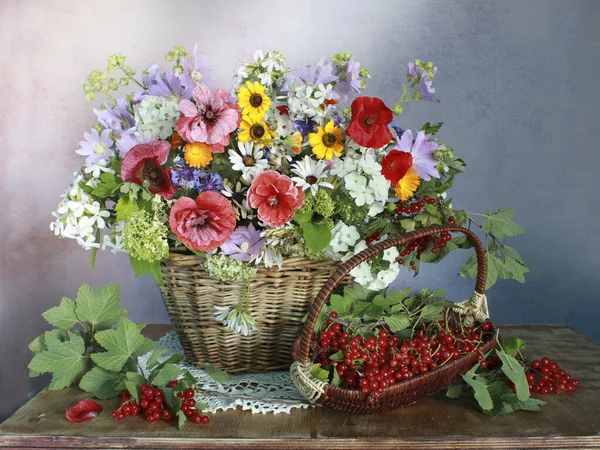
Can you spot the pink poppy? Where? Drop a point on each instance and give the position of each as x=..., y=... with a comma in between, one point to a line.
x=84, y=410
x=210, y=120
x=203, y=224
x=276, y=197
x=144, y=163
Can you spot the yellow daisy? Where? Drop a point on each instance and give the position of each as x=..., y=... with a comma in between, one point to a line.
x=255, y=129
x=197, y=154
x=252, y=99
x=327, y=141
x=408, y=184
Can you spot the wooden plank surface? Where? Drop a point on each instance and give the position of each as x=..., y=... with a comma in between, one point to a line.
x=567, y=421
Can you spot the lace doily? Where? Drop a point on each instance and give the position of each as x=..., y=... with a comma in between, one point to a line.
x=258, y=392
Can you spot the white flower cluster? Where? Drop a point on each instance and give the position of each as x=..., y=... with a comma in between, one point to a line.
x=237, y=319
x=266, y=68
x=364, y=275
x=79, y=216
x=364, y=181
x=307, y=101
x=343, y=237
x=114, y=240
x=156, y=117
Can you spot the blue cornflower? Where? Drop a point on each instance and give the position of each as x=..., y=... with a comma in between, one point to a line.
x=304, y=126
x=399, y=131
x=210, y=181
x=187, y=177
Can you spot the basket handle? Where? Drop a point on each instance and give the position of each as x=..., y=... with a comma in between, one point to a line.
x=345, y=268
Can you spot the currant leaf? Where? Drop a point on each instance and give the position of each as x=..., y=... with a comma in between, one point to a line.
x=99, y=308
x=62, y=316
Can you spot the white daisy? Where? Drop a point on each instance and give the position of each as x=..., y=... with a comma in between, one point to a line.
x=310, y=174
x=250, y=160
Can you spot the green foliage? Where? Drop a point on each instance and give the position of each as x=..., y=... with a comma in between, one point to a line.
x=490, y=388
x=317, y=235
x=142, y=267
x=500, y=224
x=109, y=185
x=102, y=355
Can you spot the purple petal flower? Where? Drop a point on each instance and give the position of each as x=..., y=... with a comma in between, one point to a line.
x=210, y=181
x=350, y=83
x=96, y=146
x=129, y=139
x=304, y=126
x=194, y=73
x=321, y=73
x=413, y=70
x=399, y=131
x=426, y=92
x=422, y=153
x=165, y=84
x=244, y=244
x=116, y=120
x=186, y=177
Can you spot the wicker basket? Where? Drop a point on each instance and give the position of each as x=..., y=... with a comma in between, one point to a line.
x=279, y=299
x=405, y=392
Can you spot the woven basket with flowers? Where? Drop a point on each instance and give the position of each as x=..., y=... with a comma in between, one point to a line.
x=242, y=202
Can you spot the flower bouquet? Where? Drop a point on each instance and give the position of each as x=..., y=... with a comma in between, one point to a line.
x=240, y=203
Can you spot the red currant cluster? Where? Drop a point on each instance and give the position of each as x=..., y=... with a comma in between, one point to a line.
x=413, y=208
x=153, y=407
x=374, y=237
x=380, y=361
x=420, y=245
x=545, y=376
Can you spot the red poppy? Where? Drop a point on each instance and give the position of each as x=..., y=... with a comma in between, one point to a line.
x=395, y=165
x=276, y=197
x=144, y=163
x=368, y=126
x=84, y=410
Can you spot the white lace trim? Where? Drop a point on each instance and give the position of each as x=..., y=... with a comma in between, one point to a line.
x=257, y=392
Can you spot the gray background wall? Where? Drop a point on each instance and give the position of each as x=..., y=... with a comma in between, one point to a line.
x=520, y=98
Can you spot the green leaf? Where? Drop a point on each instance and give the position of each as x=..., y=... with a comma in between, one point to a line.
x=102, y=383
x=142, y=267
x=397, y=322
x=479, y=386
x=360, y=308
x=506, y=402
x=512, y=345
x=153, y=359
x=336, y=380
x=493, y=270
x=38, y=344
x=123, y=344
x=62, y=316
x=381, y=301
x=181, y=419
x=408, y=224
x=133, y=382
x=431, y=312
x=167, y=373
x=432, y=129
x=125, y=207
x=173, y=359
x=319, y=373
x=460, y=217
x=469, y=268
x=303, y=217
x=109, y=184
x=316, y=235
x=340, y=305
x=500, y=224
x=218, y=375
x=99, y=308
x=396, y=297
x=358, y=293
x=63, y=358
x=456, y=389
x=322, y=317
x=511, y=269
x=462, y=242
x=337, y=356
x=510, y=252
x=515, y=373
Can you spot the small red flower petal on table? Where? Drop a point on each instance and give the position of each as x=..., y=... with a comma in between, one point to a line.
x=84, y=410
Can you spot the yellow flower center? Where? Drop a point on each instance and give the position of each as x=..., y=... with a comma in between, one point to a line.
x=256, y=100
x=99, y=149
x=329, y=139
x=249, y=161
x=257, y=131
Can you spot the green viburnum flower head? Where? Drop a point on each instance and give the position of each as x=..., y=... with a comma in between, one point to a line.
x=145, y=238
x=323, y=203
x=224, y=268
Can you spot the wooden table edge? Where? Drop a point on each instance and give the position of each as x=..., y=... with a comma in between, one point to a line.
x=85, y=442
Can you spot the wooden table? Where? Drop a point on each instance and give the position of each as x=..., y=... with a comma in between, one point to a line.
x=567, y=421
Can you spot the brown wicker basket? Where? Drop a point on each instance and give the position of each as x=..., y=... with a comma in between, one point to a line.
x=406, y=392
x=279, y=299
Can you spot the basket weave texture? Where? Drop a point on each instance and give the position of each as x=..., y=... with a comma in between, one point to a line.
x=405, y=392
x=279, y=299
